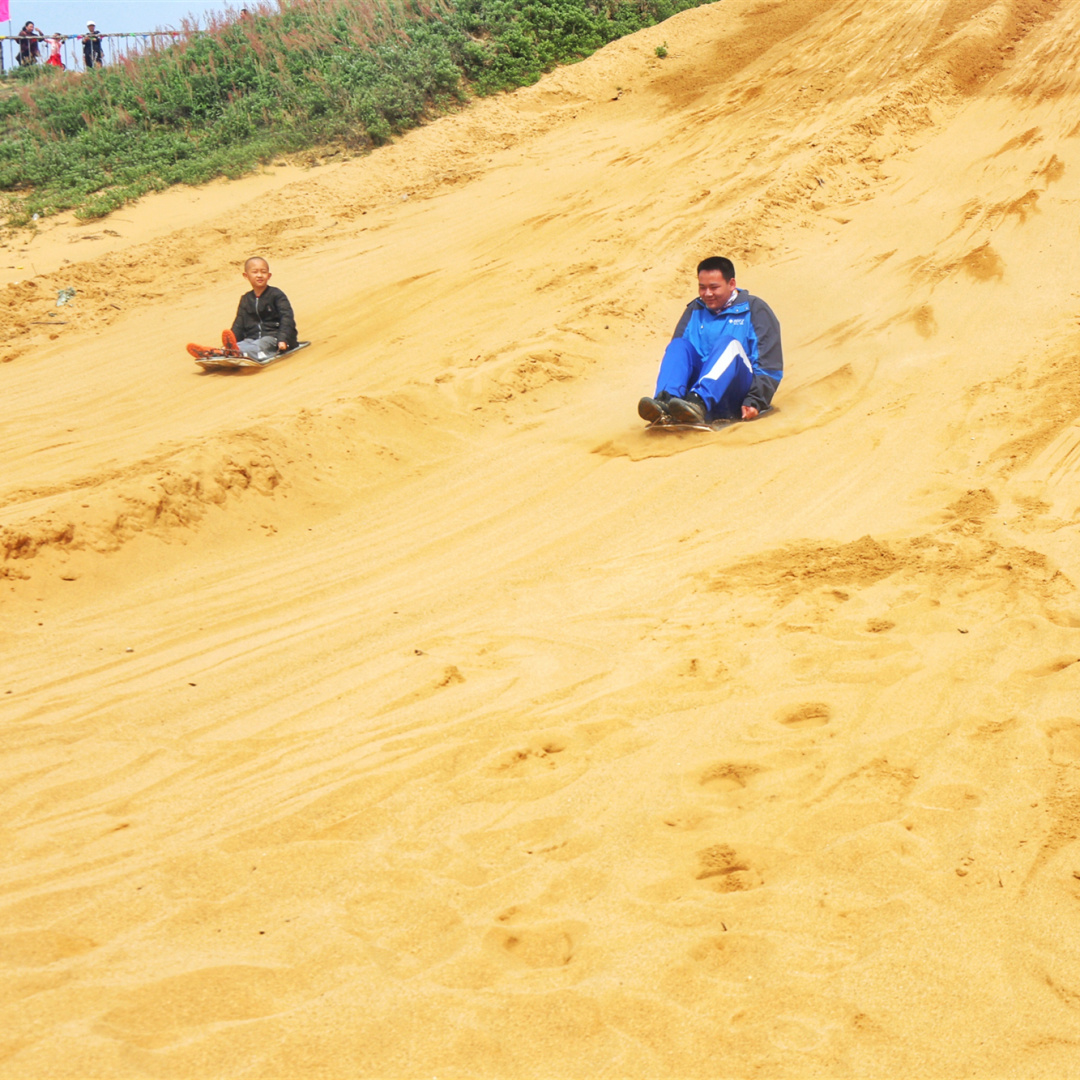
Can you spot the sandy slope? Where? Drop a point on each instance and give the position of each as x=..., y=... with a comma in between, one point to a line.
x=407, y=710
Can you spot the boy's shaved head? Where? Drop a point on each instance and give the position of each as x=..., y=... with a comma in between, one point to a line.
x=255, y=259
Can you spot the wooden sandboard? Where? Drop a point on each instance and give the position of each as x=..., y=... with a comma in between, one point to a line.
x=230, y=363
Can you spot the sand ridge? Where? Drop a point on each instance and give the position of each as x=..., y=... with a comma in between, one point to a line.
x=407, y=709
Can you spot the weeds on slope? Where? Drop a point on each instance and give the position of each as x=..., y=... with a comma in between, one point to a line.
x=291, y=76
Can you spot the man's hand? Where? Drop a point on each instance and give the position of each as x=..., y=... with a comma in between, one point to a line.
x=283, y=345
x=749, y=412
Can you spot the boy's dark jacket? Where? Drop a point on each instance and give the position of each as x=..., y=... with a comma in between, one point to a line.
x=261, y=316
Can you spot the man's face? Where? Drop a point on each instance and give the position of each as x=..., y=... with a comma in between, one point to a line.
x=257, y=273
x=714, y=291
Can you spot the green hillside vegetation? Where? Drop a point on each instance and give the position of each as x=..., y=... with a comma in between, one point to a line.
x=290, y=78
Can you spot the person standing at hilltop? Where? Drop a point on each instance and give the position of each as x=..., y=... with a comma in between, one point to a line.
x=725, y=359
x=29, y=39
x=56, y=44
x=91, y=48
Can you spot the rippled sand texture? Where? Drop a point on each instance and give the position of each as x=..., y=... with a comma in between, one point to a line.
x=405, y=709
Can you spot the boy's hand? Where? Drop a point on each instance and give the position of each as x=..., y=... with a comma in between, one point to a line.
x=749, y=412
x=282, y=346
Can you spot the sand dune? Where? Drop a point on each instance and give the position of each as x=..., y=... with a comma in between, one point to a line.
x=407, y=709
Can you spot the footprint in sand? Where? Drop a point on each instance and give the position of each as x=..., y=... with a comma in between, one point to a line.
x=784, y=774
x=811, y=715
x=688, y=818
x=950, y=797
x=1052, y=667
x=540, y=945
x=1064, y=736
x=529, y=760
x=725, y=870
x=548, y=760
x=728, y=776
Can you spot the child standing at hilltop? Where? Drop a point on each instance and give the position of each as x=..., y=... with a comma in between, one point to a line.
x=56, y=43
x=264, y=323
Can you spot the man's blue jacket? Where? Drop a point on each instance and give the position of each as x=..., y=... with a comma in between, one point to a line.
x=751, y=322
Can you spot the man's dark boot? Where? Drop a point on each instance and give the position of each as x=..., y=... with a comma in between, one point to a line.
x=651, y=409
x=688, y=410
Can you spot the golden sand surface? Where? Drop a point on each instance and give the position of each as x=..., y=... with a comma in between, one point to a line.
x=407, y=709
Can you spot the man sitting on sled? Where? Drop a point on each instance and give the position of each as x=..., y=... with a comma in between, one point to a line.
x=724, y=361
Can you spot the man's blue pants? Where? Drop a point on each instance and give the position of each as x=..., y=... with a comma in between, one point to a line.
x=721, y=381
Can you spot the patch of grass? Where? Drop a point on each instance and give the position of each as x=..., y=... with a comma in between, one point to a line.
x=293, y=76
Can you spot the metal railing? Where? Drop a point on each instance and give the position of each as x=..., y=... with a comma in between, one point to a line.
x=114, y=47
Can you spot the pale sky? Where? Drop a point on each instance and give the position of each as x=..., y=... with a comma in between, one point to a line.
x=70, y=16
